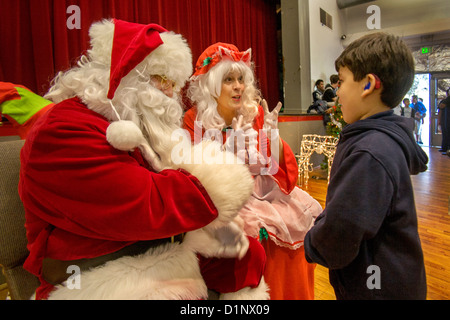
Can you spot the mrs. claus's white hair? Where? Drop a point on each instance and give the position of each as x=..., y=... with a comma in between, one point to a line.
x=205, y=89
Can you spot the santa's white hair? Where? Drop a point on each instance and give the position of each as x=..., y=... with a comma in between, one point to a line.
x=205, y=89
x=156, y=114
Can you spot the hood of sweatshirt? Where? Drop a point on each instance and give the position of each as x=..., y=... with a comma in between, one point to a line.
x=400, y=129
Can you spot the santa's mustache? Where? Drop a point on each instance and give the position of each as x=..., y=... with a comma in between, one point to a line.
x=158, y=116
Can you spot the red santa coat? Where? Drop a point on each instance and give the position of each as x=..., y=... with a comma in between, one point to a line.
x=83, y=198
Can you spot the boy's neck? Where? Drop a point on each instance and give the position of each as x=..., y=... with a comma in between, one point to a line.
x=375, y=111
x=374, y=106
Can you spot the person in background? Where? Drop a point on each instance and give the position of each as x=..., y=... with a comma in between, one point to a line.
x=320, y=87
x=330, y=97
x=407, y=110
x=420, y=112
x=367, y=234
x=227, y=102
x=329, y=94
x=21, y=107
x=444, y=121
x=398, y=110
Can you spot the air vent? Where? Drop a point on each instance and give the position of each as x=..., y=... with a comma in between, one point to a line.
x=326, y=19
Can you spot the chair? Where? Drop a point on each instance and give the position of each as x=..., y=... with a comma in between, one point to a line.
x=13, y=241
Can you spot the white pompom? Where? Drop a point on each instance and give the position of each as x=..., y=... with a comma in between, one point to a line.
x=124, y=135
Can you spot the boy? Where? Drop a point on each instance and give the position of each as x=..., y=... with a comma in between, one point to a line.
x=320, y=88
x=367, y=235
x=420, y=112
x=407, y=111
x=329, y=94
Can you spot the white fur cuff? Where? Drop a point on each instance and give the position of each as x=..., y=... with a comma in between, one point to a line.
x=228, y=183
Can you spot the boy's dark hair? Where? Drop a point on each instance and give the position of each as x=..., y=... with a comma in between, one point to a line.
x=318, y=82
x=384, y=55
x=334, y=78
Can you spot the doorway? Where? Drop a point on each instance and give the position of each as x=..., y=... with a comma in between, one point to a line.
x=421, y=88
x=431, y=87
x=439, y=83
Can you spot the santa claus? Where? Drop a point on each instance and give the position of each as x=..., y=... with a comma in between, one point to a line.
x=108, y=214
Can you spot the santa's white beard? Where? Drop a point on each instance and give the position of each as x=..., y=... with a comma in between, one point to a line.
x=159, y=116
x=156, y=114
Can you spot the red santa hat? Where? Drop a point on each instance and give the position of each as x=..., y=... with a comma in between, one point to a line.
x=131, y=44
x=218, y=52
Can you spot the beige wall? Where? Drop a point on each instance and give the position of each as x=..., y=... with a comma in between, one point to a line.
x=292, y=133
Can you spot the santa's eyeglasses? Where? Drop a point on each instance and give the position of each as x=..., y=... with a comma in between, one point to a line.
x=163, y=81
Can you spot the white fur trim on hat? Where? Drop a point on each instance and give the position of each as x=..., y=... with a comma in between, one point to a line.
x=172, y=59
x=101, y=34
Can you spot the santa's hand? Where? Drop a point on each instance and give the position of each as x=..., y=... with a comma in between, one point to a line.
x=228, y=241
x=233, y=240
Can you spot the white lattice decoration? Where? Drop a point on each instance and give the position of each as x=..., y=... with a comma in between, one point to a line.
x=314, y=143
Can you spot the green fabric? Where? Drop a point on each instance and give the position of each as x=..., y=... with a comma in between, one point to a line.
x=263, y=234
x=23, y=109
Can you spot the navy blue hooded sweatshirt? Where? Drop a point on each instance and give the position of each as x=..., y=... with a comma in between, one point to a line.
x=367, y=234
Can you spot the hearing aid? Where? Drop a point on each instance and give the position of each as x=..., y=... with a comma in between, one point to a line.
x=377, y=83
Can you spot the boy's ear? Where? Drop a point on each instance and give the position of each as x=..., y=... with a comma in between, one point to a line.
x=372, y=82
